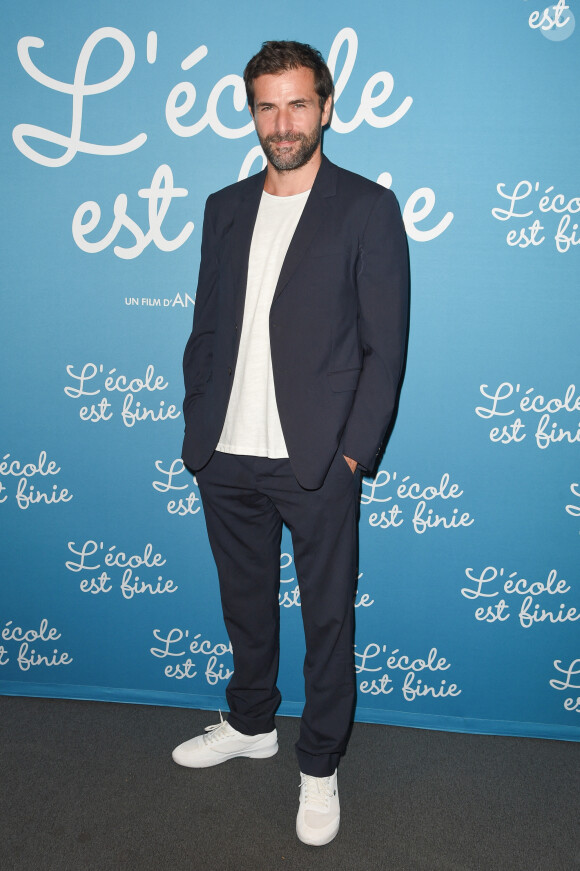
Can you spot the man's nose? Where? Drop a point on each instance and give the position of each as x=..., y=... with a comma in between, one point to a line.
x=283, y=121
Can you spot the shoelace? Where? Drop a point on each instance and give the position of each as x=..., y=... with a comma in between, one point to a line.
x=317, y=790
x=216, y=732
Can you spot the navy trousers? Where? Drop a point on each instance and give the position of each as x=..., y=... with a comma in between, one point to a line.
x=246, y=500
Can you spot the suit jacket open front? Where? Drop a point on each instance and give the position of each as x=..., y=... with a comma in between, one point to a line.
x=337, y=321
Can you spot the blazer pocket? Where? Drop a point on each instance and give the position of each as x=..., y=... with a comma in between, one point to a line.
x=345, y=379
x=315, y=253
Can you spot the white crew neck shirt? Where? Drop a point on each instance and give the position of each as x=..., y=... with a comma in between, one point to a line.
x=252, y=425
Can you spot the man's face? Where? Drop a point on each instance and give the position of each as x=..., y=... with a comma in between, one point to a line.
x=288, y=117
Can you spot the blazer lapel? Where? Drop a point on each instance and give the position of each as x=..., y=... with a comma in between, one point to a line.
x=315, y=211
x=242, y=230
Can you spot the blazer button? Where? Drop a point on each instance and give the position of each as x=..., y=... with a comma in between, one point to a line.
x=229, y=370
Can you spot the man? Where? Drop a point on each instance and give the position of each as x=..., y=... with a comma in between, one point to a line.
x=291, y=376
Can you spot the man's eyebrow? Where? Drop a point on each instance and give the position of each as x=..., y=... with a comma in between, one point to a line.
x=290, y=102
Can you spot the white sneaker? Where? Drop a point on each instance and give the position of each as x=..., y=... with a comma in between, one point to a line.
x=319, y=812
x=223, y=742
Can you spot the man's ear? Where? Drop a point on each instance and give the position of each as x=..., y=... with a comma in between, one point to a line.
x=251, y=111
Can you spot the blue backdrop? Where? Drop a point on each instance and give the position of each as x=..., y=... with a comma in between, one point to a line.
x=118, y=120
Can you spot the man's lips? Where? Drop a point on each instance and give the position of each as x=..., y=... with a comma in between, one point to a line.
x=284, y=142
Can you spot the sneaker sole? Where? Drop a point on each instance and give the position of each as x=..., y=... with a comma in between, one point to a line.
x=209, y=762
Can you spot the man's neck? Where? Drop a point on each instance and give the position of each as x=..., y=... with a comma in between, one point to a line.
x=289, y=182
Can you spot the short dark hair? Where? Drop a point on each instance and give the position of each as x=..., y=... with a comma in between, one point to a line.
x=277, y=57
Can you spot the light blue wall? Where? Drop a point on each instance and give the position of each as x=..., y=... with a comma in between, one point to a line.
x=480, y=138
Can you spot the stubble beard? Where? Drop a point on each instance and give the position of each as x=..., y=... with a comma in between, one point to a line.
x=292, y=159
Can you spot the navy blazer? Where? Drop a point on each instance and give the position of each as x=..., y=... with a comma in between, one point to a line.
x=338, y=321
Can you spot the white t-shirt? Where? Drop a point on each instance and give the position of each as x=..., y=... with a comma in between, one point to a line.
x=252, y=424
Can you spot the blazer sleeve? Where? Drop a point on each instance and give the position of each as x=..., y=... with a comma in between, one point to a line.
x=383, y=302
x=198, y=355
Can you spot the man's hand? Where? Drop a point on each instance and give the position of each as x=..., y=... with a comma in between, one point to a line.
x=352, y=464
